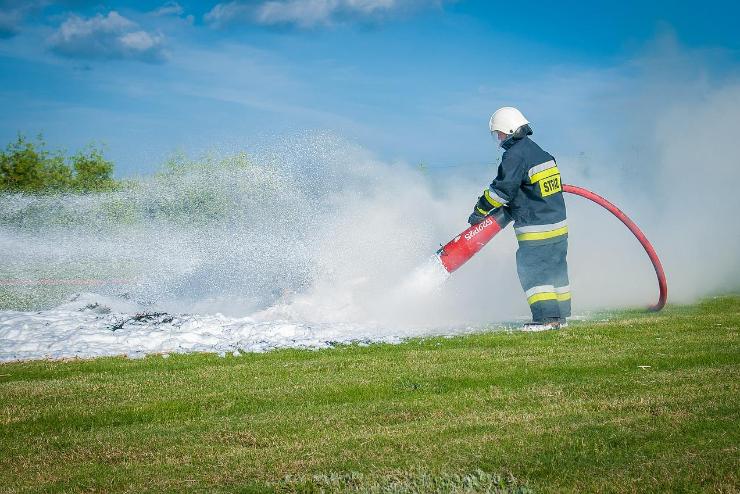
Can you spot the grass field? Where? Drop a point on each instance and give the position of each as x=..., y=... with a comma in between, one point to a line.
x=642, y=402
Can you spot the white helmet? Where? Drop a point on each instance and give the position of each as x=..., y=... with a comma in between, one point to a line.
x=507, y=120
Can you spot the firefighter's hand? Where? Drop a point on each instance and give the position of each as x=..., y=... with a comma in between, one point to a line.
x=475, y=218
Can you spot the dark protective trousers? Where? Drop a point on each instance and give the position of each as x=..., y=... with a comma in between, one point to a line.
x=543, y=273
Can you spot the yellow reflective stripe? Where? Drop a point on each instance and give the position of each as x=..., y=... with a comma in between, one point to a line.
x=544, y=174
x=539, y=297
x=491, y=200
x=562, y=297
x=542, y=235
x=484, y=213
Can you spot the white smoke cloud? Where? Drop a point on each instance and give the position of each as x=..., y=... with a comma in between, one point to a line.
x=656, y=137
x=661, y=145
x=653, y=134
x=698, y=176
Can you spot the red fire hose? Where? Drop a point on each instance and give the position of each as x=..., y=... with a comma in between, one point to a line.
x=460, y=249
x=662, y=284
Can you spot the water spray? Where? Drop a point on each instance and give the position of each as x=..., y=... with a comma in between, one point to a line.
x=463, y=247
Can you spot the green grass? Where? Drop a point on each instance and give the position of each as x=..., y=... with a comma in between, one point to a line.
x=577, y=410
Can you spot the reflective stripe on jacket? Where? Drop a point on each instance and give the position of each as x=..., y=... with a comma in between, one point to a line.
x=528, y=185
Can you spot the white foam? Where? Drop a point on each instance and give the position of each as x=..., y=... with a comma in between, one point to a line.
x=83, y=328
x=207, y=249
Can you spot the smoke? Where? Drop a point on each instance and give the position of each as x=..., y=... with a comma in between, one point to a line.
x=308, y=227
x=667, y=155
x=314, y=228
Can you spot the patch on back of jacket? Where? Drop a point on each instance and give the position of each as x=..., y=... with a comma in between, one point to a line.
x=550, y=185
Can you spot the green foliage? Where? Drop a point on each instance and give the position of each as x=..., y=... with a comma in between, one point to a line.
x=57, y=175
x=93, y=173
x=26, y=166
x=204, y=191
x=22, y=167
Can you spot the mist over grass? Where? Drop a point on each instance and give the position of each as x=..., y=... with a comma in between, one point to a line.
x=315, y=217
x=313, y=226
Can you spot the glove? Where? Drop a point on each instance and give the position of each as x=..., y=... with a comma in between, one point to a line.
x=475, y=217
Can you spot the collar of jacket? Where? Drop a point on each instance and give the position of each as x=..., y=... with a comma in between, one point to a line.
x=511, y=141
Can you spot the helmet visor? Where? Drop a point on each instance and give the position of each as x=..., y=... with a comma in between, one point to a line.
x=499, y=137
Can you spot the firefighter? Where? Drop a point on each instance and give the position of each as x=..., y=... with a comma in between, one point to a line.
x=529, y=188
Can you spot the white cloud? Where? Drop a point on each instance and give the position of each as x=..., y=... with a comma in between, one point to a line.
x=226, y=13
x=14, y=12
x=309, y=13
x=139, y=41
x=169, y=8
x=109, y=36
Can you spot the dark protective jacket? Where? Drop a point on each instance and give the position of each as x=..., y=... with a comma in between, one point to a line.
x=529, y=189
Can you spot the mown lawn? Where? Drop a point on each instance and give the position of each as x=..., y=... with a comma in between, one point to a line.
x=643, y=402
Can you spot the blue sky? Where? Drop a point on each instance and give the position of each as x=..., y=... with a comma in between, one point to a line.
x=411, y=80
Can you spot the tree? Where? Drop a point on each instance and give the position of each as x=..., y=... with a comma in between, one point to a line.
x=27, y=167
x=57, y=175
x=22, y=166
x=93, y=173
